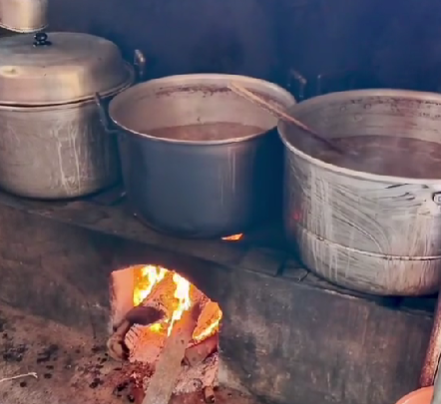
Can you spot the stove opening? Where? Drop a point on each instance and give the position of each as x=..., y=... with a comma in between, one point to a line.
x=159, y=319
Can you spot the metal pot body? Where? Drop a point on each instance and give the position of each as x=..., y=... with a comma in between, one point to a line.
x=24, y=15
x=372, y=233
x=56, y=152
x=199, y=189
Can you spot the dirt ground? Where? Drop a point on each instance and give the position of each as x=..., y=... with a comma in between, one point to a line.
x=66, y=367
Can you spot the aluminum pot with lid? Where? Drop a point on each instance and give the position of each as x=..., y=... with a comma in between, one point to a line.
x=204, y=187
x=53, y=144
x=361, y=222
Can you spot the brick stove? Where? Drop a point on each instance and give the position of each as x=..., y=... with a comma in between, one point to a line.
x=286, y=336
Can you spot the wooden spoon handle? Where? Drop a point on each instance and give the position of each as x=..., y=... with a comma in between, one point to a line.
x=279, y=113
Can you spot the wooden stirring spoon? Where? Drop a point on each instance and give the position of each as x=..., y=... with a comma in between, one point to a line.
x=279, y=113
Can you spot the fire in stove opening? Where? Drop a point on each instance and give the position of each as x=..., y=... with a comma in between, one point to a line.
x=174, y=294
x=149, y=306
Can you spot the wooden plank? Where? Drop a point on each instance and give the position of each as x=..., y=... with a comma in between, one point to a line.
x=168, y=368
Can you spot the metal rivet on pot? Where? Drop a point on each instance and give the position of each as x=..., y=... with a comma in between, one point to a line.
x=437, y=198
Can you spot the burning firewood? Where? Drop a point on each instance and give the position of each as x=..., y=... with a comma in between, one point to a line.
x=168, y=368
x=198, y=352
x=146, y=343
x=138, y=315
x=206, y=335
x=152, y=309
x=208, y=321
x=144, y=331
x=162, y=295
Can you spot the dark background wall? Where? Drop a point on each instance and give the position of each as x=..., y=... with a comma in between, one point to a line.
x=398, y=42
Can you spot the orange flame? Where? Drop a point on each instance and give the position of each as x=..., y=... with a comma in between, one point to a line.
x=151, y=275
x=182, y=293
x=210, y=329
x=234, y=237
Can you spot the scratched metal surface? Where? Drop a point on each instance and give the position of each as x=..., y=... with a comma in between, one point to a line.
x=376, y=234
x=55, y=152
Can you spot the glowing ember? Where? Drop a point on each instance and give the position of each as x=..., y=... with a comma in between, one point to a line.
x=234, y=237
x=149, y=276
x=210, y=329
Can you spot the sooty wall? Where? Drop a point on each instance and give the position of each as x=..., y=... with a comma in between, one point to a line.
x=396, y=40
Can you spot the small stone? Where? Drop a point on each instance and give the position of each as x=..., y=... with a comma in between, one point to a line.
x=121, y=386
x=47, y=376
x=96, y=382
x=93, y=385
x=23, y=384
x=97, y=348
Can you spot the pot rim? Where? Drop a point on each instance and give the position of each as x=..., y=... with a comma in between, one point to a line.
x=196, y=79
x=23, y=30
x=75, y=102
x=322, y=99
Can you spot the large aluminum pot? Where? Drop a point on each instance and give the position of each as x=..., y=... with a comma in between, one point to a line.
x=23, y=15
x=199, y=189
x=373, y=233
x=52, y=143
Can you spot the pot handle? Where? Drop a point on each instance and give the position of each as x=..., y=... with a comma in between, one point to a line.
x=331, y=82
x=324, y=83
x=104, y=116
x=139, y=63
x=297, y=84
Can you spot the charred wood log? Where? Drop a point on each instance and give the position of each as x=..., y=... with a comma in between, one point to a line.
x=209, y=318
x=152, y=309
x=198, y=352
x=162, y=296
x=168, y=368
x=116, y=346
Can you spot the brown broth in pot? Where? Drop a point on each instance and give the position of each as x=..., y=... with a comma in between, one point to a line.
x=386, y=155
x=206, y=131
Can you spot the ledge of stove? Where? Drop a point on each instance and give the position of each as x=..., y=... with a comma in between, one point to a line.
x=262, y=251
x=287, y=333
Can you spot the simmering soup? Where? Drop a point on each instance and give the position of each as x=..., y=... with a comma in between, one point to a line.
x=386, y=155
x=206, y=131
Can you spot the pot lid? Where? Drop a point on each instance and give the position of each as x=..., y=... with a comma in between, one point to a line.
x=59, y=67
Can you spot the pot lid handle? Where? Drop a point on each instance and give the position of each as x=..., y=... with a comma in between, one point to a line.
x=41, y=39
